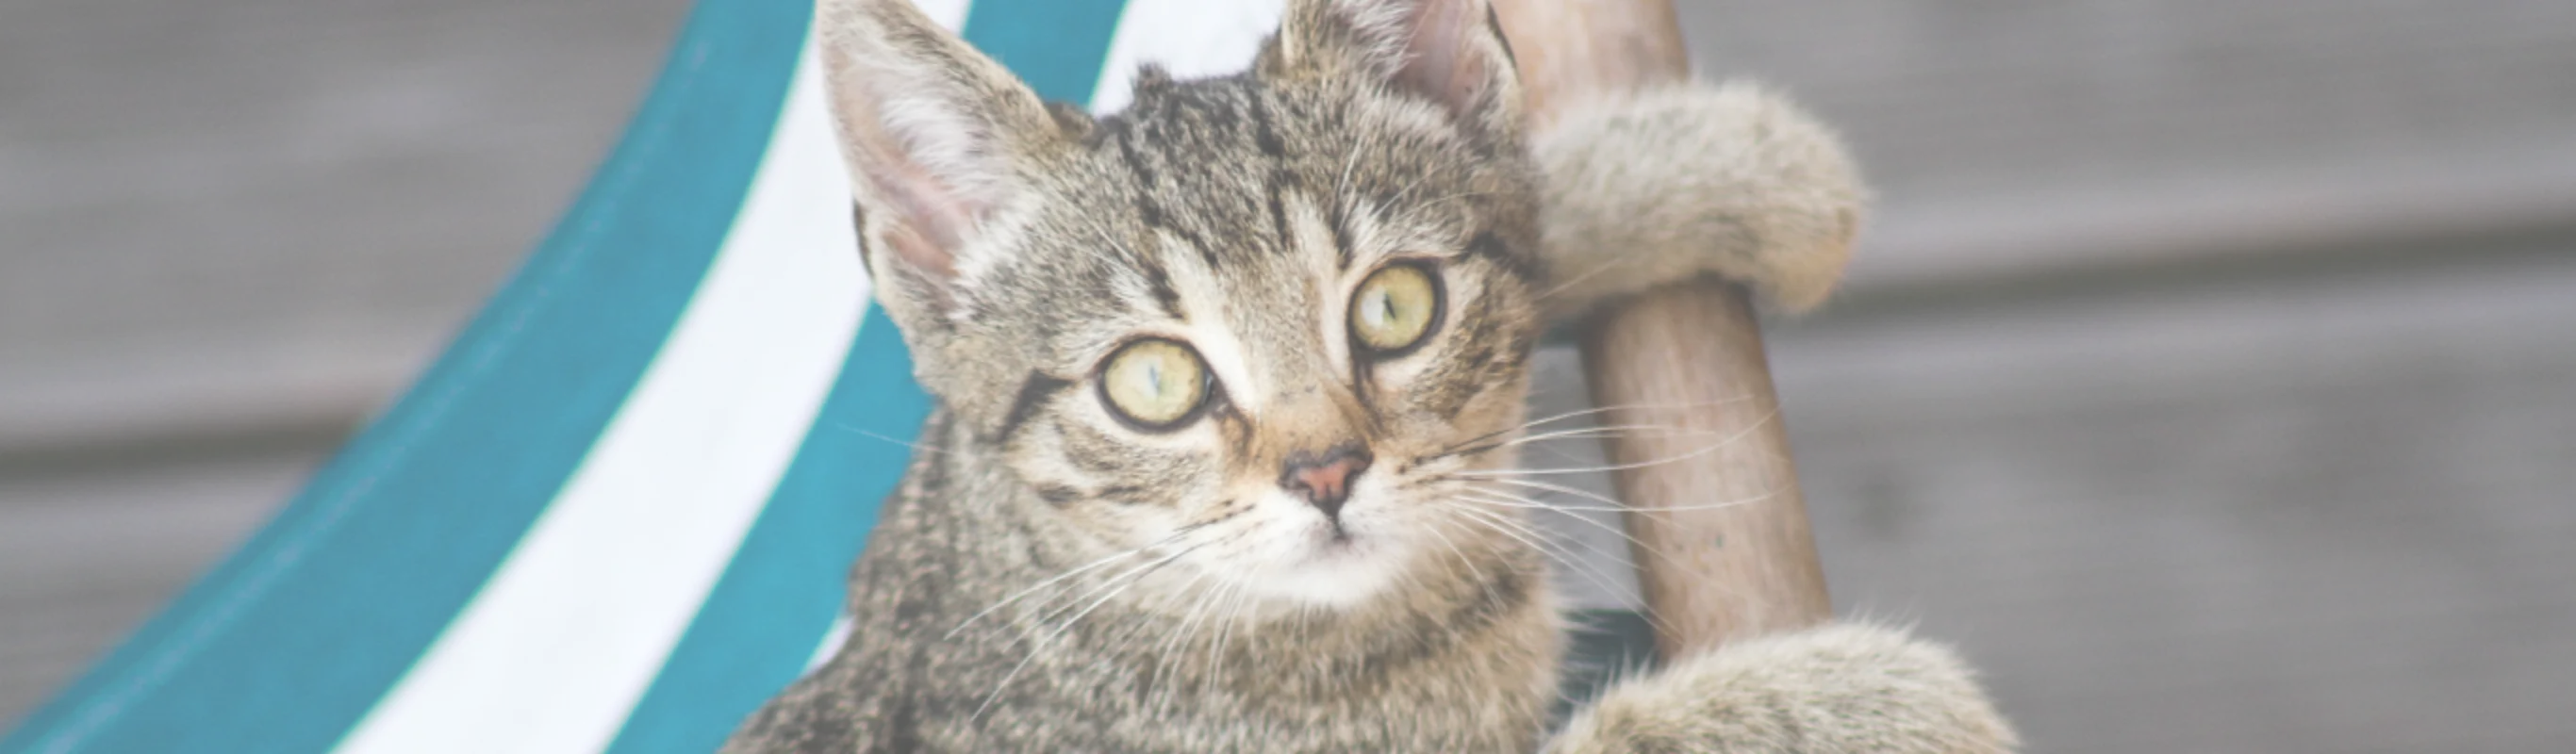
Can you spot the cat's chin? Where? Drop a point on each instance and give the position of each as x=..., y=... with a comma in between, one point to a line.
x=1333, y=569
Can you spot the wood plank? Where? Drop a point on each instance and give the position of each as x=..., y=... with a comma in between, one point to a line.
x=2027, y=137
x=266, y=163
x=2324, y=512
x=174, y=392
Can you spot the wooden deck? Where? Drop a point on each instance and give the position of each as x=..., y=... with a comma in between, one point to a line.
x=2210, y=376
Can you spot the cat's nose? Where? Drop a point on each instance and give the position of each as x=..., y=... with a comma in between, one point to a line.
x=1324, y=479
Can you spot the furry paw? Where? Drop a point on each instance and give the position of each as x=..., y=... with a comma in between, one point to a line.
x=1674, y=183
x=1841, y=688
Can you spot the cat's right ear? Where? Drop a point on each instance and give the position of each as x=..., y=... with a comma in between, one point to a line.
x=936, y=136
x=1450, y=53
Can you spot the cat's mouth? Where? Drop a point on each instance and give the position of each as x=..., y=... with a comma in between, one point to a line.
x=1336, y=562
x=1339, y=543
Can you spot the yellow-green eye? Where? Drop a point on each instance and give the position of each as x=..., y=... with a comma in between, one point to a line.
x=1154, y=383
x=1395, y=308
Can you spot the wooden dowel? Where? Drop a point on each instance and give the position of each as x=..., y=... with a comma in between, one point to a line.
x=1688, y=357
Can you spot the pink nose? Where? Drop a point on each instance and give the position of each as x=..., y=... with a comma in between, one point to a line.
x=1325, y=479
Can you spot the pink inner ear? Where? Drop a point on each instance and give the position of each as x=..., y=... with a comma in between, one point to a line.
x=1442, y=58
x=928, y=223
x=924, y=215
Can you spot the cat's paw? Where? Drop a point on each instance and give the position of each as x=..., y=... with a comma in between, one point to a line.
x=1841, y=688
x=1682, y=181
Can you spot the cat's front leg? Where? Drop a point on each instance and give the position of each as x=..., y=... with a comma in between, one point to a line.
x=1844, y=688
x=1668, y=184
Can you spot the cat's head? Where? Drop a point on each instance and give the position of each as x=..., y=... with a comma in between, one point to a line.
x=1253, y=321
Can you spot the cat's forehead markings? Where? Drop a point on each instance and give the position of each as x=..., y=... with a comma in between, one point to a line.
x=1203, y=308
x=1166, y=296
x=1364, y=235
x=1312, y=237
x=1137, y=283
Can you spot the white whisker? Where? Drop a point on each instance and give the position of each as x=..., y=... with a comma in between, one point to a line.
x=1016, y=596
x=1477, y=495
x=1704, y=450
x=1038, y=646
x=1583, y=432
x=1613, y=506
x=1539, y=542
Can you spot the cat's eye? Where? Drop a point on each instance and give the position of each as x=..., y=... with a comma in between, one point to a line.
x=1154, y=384
x=1395, y=309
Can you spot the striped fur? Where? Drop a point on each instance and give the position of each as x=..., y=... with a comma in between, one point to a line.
x=1052, y=578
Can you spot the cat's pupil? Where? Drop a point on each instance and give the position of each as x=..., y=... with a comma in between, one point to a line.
x=1382, y=309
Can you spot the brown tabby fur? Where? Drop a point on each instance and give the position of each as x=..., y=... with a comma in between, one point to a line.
x=1053, y=578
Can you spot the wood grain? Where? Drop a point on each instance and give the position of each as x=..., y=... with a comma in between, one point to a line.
x=1729, y=555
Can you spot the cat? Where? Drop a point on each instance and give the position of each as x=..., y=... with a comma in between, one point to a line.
x=1219, y=375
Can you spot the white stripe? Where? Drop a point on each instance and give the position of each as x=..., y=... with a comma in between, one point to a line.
x=1191, y=38
x=560, y=644
x=833, y=638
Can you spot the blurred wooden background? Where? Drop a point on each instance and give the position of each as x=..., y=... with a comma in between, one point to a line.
x=2209, y=374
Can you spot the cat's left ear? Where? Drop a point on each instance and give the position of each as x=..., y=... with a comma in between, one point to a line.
x=939, y=140
x=1449, y=52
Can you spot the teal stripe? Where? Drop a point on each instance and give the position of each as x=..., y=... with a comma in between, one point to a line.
x=1057, y=46
x=778, y=597
x=776, y=600
x=288, y=642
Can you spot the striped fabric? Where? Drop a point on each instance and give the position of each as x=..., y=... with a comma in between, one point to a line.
x=615, y=515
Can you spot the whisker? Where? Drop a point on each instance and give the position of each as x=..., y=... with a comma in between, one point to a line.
x=1640, y=544
x=1579, y=433
x=1445, y=541
x=1641, y=406
x=1225, y=590
x=1557, y=488
x=1036, y=647
x=906, y=443
x=1136, y=573
x=1539, y=541
x=1178, y=634
x=1614, y=506
x=1463, y=446
x=1611, y=431
x=1561, y=287
x=1767, y=417
x=1567, y=558
x=1017, y=596
x=1484, y=584
x=1225, y=633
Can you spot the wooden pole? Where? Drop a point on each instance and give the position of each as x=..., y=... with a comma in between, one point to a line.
x=1689, y=358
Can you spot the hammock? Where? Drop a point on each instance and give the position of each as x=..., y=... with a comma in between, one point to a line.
x=616, y=513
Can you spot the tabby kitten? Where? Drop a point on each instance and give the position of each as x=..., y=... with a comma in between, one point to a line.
x=1218, y=377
